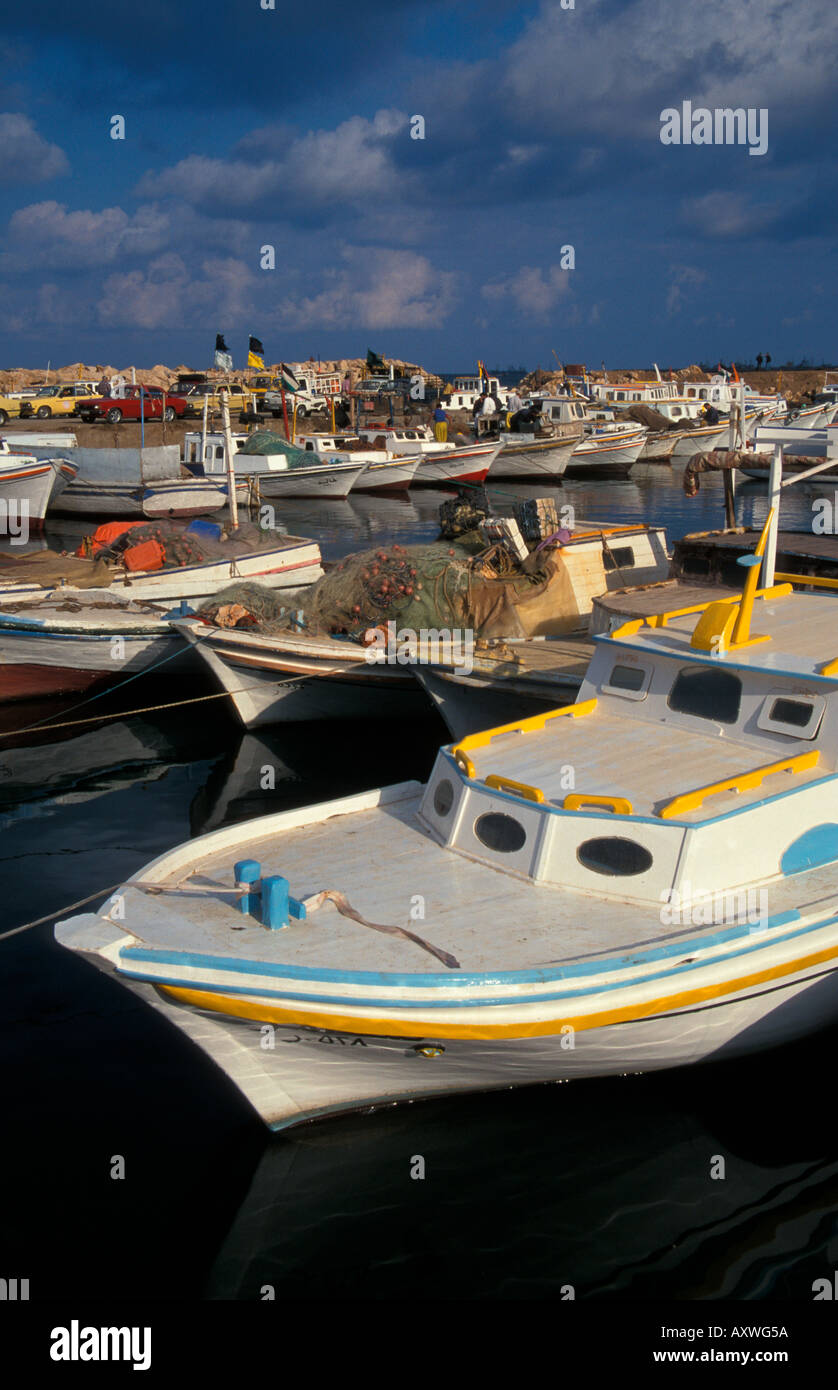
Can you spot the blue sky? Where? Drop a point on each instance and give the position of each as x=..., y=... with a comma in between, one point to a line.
x=290, y=127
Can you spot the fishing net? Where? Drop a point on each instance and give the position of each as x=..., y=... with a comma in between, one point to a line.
x=185, y=544
x=434, y=587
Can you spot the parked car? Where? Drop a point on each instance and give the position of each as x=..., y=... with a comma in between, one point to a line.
x=9, y=409
x=135, y=399
x=239, y=398
x=54, y=400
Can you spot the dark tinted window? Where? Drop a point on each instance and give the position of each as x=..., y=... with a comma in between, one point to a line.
x=627, y=677
x=796, y=712
x=499, y=832
x=614, y=856
x=707, y=693
x=443, y=798
x=619, y=558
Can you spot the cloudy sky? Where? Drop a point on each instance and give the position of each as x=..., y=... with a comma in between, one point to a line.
x=290, y=127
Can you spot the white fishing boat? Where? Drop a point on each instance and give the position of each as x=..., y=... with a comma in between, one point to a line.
x=383, y=471
x=297, y=678
x=440, y=461
x=641, y=880
x=29, y=486
x=166, y=497
x=64, y=633
x=62, y=646
x=281, y=471
x=607, y=450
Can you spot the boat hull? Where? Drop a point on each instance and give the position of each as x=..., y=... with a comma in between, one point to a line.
x=29, y=488
x=606, y=459
x=534, y=458
x=178, y=497
x=292, y=1072
x=322, y=480
x=35, y=664
x=272, y=683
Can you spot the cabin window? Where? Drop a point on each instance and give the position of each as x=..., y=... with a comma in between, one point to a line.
x=631, y=682
x=443, y=798
x=500, y=832
x=707, y=693
x=614, y=856
x=617, y=558
x=797, y=716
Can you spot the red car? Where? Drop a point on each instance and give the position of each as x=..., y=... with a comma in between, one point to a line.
x=128, y=405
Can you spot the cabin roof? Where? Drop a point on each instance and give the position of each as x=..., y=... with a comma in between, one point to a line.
x=802, y=629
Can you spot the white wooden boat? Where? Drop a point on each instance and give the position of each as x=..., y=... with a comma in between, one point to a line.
x=294, y=678
x=533, y=456
x=61, y=646
x=607, y=451
x=165, y=497
x=64, y=638
x=278, y=475
x=28, y=487
x=644, y=879
x=383, y=471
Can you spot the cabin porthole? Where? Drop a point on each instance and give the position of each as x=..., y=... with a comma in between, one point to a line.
x=443, y=798
x=614, y=856
x=500, y=832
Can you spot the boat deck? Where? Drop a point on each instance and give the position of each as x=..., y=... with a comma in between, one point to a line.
x=648, y=764
x=488, y=919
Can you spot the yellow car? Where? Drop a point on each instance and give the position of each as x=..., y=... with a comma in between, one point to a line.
x=9, y=408
x=53, y=400
x=238, y=399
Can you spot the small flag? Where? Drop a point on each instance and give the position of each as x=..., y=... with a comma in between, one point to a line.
x=290, y=380
x=374, y=362
x=255, y=354
x=223, y=358
x=481, y=371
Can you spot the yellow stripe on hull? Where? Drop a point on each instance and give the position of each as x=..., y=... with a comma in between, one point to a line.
x=412, y=1028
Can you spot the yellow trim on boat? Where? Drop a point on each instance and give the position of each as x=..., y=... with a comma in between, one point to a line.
x=576, y=801
x=829, y=668
x=743, y=781
x=432, y=1028
x=522, y=726
x=502, y=784
x=813, y=579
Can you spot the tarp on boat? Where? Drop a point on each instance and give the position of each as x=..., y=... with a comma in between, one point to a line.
x=266, y=442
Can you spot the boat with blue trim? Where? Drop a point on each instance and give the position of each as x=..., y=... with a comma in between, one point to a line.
x=643, y=879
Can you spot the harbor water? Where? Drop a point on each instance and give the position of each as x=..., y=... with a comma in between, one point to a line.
x=138, y=1171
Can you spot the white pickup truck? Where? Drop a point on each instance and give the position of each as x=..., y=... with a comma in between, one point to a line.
x=306, y=401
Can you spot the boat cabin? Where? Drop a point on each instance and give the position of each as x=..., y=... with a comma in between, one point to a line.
x=698, y=761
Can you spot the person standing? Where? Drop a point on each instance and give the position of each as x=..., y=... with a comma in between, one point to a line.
x=513, y=401
x=440, y=425
x=104, y=387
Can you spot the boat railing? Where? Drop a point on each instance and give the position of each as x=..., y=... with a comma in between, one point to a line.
x=521, y=726
x=743, y=781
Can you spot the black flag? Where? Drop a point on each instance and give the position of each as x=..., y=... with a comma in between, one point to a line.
x=220, y=345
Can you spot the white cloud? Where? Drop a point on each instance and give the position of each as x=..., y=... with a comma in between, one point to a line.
x=722, y=214
x=532, y=290
x=684, y=280
x=27, y=156
x=345, y=165
x=616, y=72
x=168, y=295
x=377, y=289
x=46, y=234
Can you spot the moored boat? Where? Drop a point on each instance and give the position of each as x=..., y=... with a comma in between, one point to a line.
x=29, y=486
x=612, y=887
